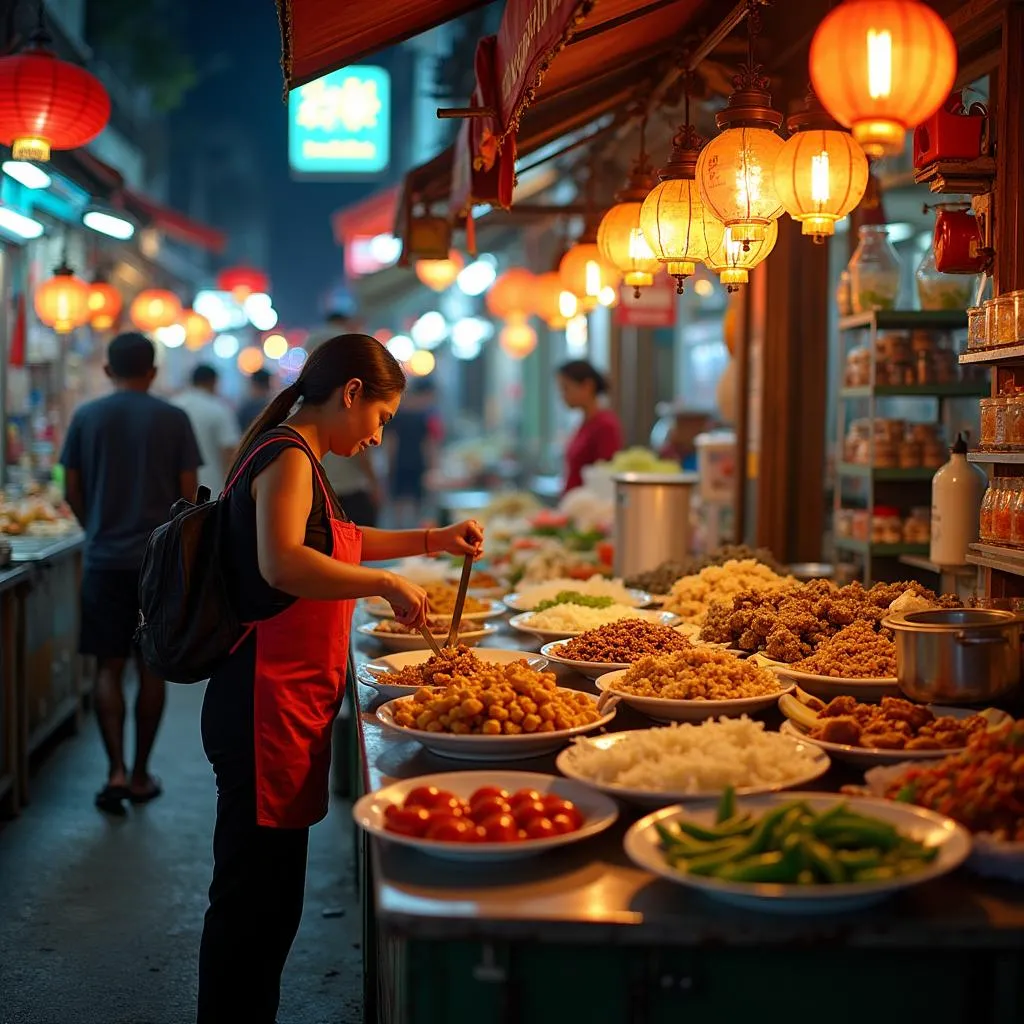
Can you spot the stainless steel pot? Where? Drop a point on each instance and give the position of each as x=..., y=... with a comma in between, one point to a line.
x=957, y=655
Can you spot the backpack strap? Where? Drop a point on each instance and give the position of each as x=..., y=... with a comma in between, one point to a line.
x=295, y=441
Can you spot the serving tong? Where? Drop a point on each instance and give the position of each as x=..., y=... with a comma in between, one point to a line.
x=460, y=601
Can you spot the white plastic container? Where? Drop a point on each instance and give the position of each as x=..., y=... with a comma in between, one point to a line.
x=717, y=465
x=957, y=490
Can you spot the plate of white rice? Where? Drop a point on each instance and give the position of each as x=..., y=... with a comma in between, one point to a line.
x=527, y=598
x=689, y=762
x=567, y=620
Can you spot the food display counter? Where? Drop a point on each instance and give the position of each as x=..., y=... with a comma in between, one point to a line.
x=13, y=583
x=581, y=931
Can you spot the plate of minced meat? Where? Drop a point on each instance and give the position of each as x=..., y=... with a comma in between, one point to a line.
x=887, y=733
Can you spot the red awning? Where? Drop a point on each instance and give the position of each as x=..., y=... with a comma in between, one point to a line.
x=319, y=36
x=175, y=224
x=372, y=216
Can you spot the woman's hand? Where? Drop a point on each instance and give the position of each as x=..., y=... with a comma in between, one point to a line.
x=408, y=601
x=462, y=539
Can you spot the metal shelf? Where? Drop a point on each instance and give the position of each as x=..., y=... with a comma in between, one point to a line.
x=906, y=319
x=995, y=356
x=993, y=556
x=925, y=564
x=955, y=390
x=864, y=547
x=1006, y=458
x=882, y=473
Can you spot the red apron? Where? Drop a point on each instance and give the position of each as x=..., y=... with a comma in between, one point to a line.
x=301, y=658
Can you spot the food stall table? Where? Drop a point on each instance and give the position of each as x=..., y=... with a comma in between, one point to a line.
x=580, y=931
x=13, y=586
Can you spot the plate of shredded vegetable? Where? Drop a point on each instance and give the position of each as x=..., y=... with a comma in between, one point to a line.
x=798, y=853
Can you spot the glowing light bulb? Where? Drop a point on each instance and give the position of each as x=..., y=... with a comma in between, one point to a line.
x=608, y=296
x=567, y=305
x=819, y=177
x=879, y=64
x=593, y=278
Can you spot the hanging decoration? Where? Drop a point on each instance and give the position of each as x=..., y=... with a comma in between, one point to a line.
x=881, y=67
x=735, y=170
x=105, y=304
x=242, y=282
x=512, y=294
x=733, y=260
x=821, y=172
x=153, y=308
x=583, y=269
x=62, y=302
x=620, y=239
x=517, y=338
x=681, y=230
x=547, y=299
x=47, y=103
x=198, y=330
x=440, y=275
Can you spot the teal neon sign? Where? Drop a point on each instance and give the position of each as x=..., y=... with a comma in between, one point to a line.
x=341, y=124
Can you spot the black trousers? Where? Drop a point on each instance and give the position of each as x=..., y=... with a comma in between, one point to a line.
x=259, y=873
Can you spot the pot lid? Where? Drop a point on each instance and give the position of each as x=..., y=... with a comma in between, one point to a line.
x=943, y=620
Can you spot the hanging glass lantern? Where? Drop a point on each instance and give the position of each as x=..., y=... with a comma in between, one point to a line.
x=104, y=304
x=517, y=339
x=512, y=294
x=881, y=67
x=620, y=239
x=153, y=308
x=440, y=275
x=584, y=271
x=547, y=293
x=821, y=172
x=681, y=230
x=733, y=260
x=62, y=302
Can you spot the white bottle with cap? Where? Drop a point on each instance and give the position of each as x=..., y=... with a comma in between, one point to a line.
x=957, y=490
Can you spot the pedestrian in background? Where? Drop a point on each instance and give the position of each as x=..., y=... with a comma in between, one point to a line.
x=214, y=425
x=412, y=446
x=256, y=401
x=127, y=458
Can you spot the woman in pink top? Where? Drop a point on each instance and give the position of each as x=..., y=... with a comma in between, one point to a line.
x=600, y=434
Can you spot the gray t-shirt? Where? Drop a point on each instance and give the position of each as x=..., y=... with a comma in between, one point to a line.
x=130, y=449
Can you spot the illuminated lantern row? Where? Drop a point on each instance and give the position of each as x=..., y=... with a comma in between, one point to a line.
x=105, y=304
x=62, y=302
x=517, y=339
x=198, y=330
x=548, y=301
x=242, y=282
x=733, y=260
x=881, y=67
x=512, y=294
x=153, y=308
x=440, y=275
x=585, y=272
x=47, y=103
x=620, y=240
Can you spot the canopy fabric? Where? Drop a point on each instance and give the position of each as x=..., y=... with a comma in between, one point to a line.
x=319, y=36
x=374, y=215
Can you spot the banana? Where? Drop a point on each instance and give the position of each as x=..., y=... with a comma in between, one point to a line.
x=798, y=712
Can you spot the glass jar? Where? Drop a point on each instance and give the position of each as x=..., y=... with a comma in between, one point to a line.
x=999, y=434
x=886, y=525
x=910, y=453
x=875, y=271
x=1015, y=421
x=977, y=332
x=988, y=422
x=1017, y=519
x=917, y=527
x=1001, y=320
x=1002, y=514
x=987, y=511
x=1017, y=298
x=843, y=296
x=936, y=290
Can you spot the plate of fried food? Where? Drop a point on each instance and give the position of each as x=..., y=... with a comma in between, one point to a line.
x=894, y=730
x=399, y=675
x=614, y=647
x=493, y=712
x=485, y=585
x=393, y=636
x=693, y=684
x=441, y=602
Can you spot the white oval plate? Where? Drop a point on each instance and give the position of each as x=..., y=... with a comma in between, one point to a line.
x=643, y=847
x=378, y=607
x=598, y=812
x=521, y=622
x=489, y=748
x=415, y=642
x=567, y=764
x=662, y=709
x=590, y=669
x=876, y=755
x=515, y=603
x=375, y=673
x=827, y=687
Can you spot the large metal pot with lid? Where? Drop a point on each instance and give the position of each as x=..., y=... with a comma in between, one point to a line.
x=957, y=655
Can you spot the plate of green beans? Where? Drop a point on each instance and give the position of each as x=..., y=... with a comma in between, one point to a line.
x=798, y=853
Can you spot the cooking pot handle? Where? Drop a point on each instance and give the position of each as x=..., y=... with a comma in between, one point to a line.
x=979, y=641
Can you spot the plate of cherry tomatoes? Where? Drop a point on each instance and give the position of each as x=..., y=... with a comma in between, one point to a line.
x=485, y=815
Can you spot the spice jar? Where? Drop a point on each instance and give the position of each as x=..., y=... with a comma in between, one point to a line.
x=1002, y=320
x=886, y=525
x=917, y=527
x=843, y=522
x=1017, y=298
x=999, y=434
x=977, y=333
x=988, y=422
x=909, y=453
x=1002, y=514
x=1017, y=520
x=1014, y=420
x=987, y=511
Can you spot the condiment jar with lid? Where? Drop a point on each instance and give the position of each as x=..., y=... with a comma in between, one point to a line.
x=986, y=512
x=988, y=422
x=1002, y=515
x=977, y=333
x=999, y=434
x=886, y=525
x=1017, y=520
x=917, y=526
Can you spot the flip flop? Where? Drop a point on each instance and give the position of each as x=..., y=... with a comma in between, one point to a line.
x=154, y=790
x=110, y=800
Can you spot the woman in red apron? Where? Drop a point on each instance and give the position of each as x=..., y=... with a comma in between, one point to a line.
x=294, y=566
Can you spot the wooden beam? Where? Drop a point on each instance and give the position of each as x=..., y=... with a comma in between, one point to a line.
x=1009, y=193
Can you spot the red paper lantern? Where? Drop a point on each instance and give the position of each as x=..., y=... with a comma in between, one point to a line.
x=155, y=308
x=197, y=330
x=47, y=103
x=104, y=305
x=63, y=302
x=512, y=295
x=242, y=282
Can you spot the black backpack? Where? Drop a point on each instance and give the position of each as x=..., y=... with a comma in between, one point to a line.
x=187, y=626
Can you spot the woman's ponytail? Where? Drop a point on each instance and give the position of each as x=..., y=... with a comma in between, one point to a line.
x=273, y=416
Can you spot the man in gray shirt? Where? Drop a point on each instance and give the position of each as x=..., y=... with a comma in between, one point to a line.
x=127, y=458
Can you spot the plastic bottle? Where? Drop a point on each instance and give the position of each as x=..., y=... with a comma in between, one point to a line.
x=957, y=490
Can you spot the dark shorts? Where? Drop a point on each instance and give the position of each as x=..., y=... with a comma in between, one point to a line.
x=110, y=612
